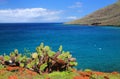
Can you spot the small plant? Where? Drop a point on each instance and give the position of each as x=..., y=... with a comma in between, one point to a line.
x=6, y=58
x=1, y=66
x=87, y=70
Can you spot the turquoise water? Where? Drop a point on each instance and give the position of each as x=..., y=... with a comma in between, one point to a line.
x=96, y=48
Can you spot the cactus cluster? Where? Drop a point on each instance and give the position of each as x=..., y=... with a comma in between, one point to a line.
x=44, y=60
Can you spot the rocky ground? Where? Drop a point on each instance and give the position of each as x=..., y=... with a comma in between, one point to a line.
x=22, y=73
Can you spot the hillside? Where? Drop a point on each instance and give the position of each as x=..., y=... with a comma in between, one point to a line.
x=109, y=15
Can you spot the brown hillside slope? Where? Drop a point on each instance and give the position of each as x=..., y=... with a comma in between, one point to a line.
x=109, y=15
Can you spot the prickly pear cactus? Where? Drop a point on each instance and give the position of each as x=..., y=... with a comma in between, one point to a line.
x=42, y=60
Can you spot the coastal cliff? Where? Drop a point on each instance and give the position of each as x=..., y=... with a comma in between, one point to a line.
x=109, y=15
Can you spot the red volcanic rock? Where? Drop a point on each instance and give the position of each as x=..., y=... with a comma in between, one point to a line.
x=18, y=69
x=12, y=77
x=31, y=72
x=99, y=73
x=115, y=73
x=1, y=58
x=85, y=74
x=80, y=77
x=12, y=68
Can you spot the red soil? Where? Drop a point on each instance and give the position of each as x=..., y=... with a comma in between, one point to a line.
x=80, y=77
x=25, y=72
x=12, y=77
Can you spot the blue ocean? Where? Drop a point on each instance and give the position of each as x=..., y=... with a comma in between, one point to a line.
x=96, y=48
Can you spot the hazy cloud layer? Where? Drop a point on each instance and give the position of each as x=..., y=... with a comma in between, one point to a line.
x=29, y=15
x=71, y=18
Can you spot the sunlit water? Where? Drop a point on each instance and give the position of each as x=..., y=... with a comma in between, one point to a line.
x=96, y=48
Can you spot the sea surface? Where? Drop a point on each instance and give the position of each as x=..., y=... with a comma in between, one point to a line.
x=96, y=48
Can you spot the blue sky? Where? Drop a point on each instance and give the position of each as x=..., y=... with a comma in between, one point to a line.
x=48, y=10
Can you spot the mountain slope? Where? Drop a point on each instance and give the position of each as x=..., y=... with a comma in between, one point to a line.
x=109, y=15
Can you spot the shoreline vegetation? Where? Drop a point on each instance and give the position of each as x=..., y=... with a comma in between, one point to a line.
x=46, y=64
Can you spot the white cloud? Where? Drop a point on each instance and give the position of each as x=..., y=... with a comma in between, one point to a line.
x=76, y=5
x=29, y=15
x=71, y=18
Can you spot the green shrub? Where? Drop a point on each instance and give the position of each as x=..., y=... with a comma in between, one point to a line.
x=42, y=60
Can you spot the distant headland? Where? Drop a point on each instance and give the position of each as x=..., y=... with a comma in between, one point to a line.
x=109, y=15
